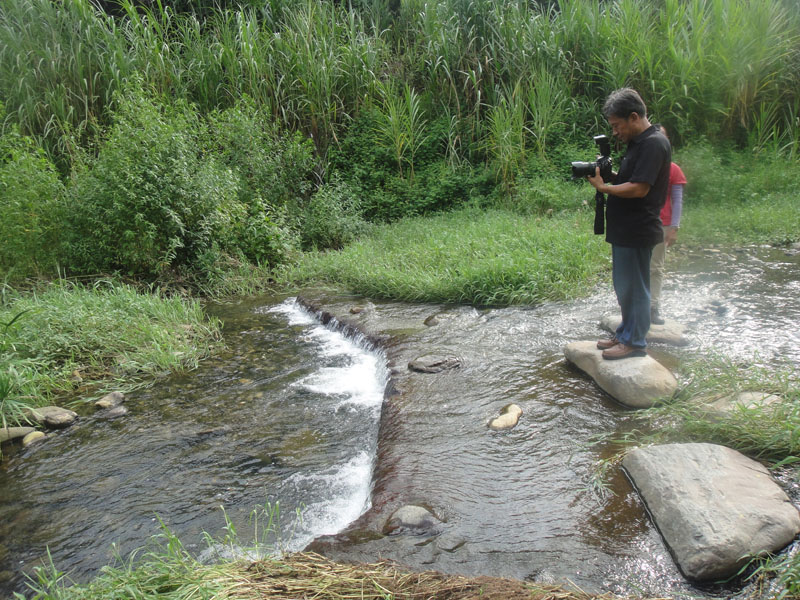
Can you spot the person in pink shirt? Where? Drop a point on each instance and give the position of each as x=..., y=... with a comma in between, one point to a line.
x=670, y=221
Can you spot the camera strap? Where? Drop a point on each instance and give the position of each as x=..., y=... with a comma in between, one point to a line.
x=599, y=213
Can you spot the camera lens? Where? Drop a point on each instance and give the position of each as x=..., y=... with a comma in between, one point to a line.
x=583, y=169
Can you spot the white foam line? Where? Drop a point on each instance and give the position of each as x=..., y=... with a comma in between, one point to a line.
x=360, y=382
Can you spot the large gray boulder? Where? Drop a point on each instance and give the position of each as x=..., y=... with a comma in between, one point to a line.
x=714, y=507
x=638, y=382
x=671, y=332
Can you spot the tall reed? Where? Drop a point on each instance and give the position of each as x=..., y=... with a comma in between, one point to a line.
x=705, y=67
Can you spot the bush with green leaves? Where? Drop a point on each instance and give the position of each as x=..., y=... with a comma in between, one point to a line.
x=150, y=202
x=273, y=171
x=437, y=184
x=332, y=217
x=31, y=200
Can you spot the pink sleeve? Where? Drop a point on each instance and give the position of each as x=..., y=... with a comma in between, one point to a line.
x=676, y=176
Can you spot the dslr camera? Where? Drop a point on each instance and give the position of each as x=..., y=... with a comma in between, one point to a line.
x=584, y=169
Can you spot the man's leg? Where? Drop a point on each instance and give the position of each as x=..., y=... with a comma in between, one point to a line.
x=631, y=276
x=657, y=275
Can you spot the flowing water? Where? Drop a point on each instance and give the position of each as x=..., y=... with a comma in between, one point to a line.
x=291, y=413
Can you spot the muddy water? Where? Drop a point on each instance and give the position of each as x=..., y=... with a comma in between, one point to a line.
x=291, y=413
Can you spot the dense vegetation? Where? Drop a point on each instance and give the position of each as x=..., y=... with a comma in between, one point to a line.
x=184, y=146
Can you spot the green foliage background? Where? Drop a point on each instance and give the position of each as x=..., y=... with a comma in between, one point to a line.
x=184, y=141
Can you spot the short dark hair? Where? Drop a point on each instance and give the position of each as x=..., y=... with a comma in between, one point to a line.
x=624, y=102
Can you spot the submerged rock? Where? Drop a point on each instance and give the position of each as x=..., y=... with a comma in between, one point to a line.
x=638, y=382
x=110, y=400
x=117, y=411
x=412, y=520
x=728, y=404
x=671, y=332
x=433, y=363
x=13, y=433
x=714, y=507
x=52, y=416
x=32, y=438
x=431, y=321
x=508, y=418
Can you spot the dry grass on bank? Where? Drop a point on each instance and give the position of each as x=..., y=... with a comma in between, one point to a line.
x=311, y=576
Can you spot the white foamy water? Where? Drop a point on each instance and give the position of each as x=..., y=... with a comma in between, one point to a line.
x=348, y=376
x=349, y=499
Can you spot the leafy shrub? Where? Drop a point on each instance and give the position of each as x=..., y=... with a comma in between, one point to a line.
x=31, y=196
x=333, y=217
x=274, y=179
x=149, y=202
x=387, y=196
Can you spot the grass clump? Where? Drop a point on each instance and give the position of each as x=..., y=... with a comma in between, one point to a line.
x=768, y=432
x=63, y=337
x=484, y=258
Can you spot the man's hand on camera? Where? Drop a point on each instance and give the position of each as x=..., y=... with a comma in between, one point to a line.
x=596, y=181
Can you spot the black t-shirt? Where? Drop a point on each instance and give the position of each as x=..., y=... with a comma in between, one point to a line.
x=635, y=222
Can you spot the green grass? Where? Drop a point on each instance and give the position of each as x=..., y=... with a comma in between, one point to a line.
x=738, y=197
x=475, y=257
x=770, y=432
x=64, y=340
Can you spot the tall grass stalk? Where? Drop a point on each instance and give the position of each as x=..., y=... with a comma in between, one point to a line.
x=506, y=135
x=401, y=128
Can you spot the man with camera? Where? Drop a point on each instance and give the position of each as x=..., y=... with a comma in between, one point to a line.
x=633, y=227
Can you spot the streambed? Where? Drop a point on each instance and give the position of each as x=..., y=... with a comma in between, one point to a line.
x=292, y=413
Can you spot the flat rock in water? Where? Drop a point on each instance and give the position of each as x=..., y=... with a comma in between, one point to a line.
x=729, y=404
x=110, y=400
x=116, y=411
x=52, y=416
x=412, y=520
x=714, y=506
x=12, y=433
x=508, y=418
x=638, y=382
x=433, y=363
x=671, y=332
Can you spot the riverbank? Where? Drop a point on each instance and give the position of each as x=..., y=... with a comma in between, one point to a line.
x=65, y=342
x=296, y=577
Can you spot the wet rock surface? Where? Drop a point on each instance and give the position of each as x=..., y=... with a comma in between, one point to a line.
x=13, y=433
x=637, y=382
x=52, y=416
x=412, y=520
x=507, y=419
x=434, y=363
x=110, y=400
x=714, y=506
x=726, y=405
x=32, y=438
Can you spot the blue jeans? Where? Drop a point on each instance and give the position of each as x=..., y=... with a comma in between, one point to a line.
x=630, y=272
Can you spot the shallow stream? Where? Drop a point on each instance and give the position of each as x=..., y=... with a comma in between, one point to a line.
x=290, y=413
